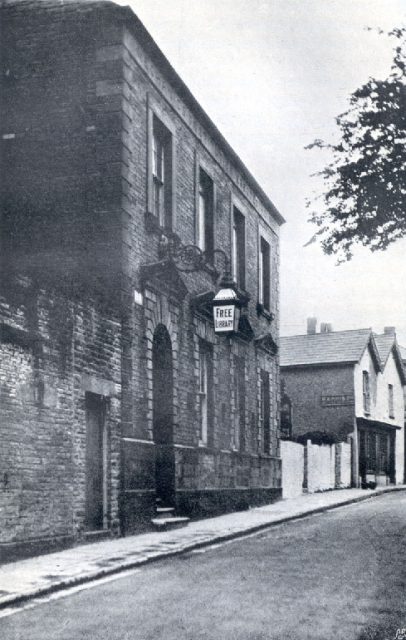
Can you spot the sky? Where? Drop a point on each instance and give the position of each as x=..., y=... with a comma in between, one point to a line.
x=273, y=75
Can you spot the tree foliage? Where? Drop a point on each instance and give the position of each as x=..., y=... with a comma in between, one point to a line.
x=364, y=193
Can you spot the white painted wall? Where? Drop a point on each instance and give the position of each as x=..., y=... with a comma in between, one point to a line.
x=380, y=401
x=365, y=364
x=320, y=467
x=343, y=465
x=292, y=455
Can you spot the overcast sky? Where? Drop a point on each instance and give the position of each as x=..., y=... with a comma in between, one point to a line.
x=273, y=74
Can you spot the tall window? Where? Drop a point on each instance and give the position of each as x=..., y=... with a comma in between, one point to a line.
x=239, y=248
x=265, y=412
x=205, y=214
x=239, y=436
x=206, y=393
x=390, y=401
x=366, y=391
x=161, y=173
x=265, y=274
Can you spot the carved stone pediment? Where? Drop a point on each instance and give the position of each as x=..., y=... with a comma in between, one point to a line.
x=267, y=343
x=245, y=330
x=164, y=277
x=203, y=303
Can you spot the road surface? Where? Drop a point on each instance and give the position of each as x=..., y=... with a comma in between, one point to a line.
x=338, y=575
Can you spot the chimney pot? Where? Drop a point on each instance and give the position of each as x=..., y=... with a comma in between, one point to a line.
x=311, y=326
x=326, y=327
x=390, y=331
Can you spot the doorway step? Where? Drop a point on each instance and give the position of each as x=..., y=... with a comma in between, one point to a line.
x=166, y=519
x=97, y=535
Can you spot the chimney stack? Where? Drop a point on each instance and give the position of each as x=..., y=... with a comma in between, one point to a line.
x=311, y=326
x=389, y=331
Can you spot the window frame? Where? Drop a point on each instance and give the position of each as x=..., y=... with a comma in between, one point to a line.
x=265, y=410
x=202, y=175
x=391, y=401
x=160, y=127
x=264, y=267
x=238, y=245
x=239, y=440
x=206, y=393
x=366, y=392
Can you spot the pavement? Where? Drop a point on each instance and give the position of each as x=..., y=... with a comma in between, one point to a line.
x=39, y=576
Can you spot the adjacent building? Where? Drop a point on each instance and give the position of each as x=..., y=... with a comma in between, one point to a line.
x=121, y=206
x=349, y=384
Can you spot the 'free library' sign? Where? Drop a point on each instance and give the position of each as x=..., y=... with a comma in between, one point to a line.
x=224, y=318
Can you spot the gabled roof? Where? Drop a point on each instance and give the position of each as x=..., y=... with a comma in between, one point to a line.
x=335, y=347
x=386, y=344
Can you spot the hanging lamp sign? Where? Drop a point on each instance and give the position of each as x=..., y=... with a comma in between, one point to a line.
x=226, y=311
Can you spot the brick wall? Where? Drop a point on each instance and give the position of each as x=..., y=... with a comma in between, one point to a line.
x=53, y=351
x=315, y=395
x=74, y=203
x=215, y=470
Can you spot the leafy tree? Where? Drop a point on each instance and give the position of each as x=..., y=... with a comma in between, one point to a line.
x=364, y=198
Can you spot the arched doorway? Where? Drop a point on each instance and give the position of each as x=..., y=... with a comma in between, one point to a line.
x=162, y=378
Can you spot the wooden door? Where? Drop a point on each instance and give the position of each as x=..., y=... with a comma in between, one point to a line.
x=162, y=367
x=95, y=462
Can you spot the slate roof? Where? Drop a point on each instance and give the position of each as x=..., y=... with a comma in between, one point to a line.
x=324, y=348
x=402, y=352
x=385, y=343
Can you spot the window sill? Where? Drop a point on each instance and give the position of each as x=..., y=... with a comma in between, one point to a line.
x=262, y=311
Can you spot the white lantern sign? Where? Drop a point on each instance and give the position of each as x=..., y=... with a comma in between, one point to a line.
x=226, y=311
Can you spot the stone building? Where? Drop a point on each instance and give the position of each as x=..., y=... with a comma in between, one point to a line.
x=115, y=390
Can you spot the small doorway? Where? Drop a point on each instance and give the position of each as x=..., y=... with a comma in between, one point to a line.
x=162, y=380
x=96, y=463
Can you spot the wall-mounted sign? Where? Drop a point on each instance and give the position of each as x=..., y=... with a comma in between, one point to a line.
x=226, y=311
x=224, y=318
x=337, y=400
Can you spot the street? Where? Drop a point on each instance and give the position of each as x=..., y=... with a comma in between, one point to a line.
x=336, y=575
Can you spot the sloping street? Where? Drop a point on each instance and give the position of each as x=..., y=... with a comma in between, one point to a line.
x=340, y=574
